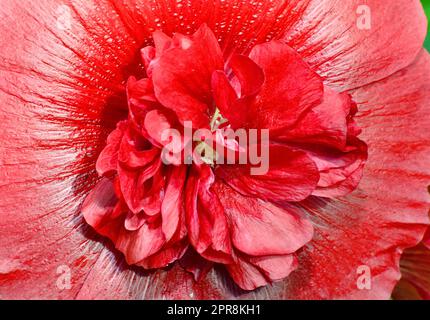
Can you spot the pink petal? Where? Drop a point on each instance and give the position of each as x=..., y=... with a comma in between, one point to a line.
x=389, y=211
x=165, y=256
x=332, y=39
x=326, y=124
x=134, y=221
x=206, y=221
x=100, y=210
x=291, y=176
x=186, y=87
x=108, y=158
x=172, y=209
x=290, y=87
x=252, y=219
x=249, y=74
x=253, y=273
x=140, y=244
x=328, y=135
x=415, y=282
x=135, y=152
x=226, y=99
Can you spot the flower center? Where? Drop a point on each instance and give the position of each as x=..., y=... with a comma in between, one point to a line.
x=207, y=151
x=217, y=120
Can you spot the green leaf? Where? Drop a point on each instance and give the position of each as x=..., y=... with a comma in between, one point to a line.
x=426, y=5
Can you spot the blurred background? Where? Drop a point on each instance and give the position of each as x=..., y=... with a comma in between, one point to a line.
x=426, y=4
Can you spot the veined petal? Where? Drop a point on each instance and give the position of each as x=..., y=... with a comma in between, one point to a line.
x=291, y=175
x=251, y=219
x=415, y=281
x=352, y=43
x=290, y=88
x=373, y=225
x=186, y=87
x=252, y=273
x=206, y=221
x=172, y=208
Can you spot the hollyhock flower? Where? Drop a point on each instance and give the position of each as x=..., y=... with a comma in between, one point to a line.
x=88, y=88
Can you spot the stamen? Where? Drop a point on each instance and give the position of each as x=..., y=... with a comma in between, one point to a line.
x=207, y=154
x=217, y=120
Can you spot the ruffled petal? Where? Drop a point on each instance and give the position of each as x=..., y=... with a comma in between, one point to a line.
x=166, y=255
x=415, y=281
x=290, y=87
x=389, y=211
x=249, y=75
x=253, y=273
x=133, y=151
x=340, y=170
x=251, y=219
x=328, y=135
x=107, y=161
x=286, y=93
x=186, y=87
x=207, y=224
x=172, y=208
x=325, y=124
x=101, y=210
x=291, y=175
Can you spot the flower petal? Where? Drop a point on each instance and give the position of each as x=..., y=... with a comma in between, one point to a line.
x=290, y=86
x=186, y=87
x=261, y=271
x=226, y=99
x=172, y=209
x=249, y=75
x=415, y=281
x=373, y=225
x=165, y=256
x=340, y=171
x=134, y=152
x=140, y=244
x=100, y=210
x=352, y=43
x=326, y=124
x=328, y=135
x=290, y=89
x=108, y=158
x=291, y=176
x=251, y=219
x=206, y=222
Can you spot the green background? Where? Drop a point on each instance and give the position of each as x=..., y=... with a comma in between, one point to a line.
x=426, y=4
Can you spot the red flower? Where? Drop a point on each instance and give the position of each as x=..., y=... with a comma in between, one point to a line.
x=153, y=211
x=305, y=70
